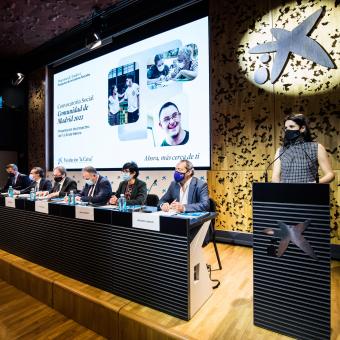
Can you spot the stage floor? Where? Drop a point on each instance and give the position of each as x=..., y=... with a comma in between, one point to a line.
x=228, y=314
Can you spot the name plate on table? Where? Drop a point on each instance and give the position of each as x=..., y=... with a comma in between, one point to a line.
x=10, y=202
x=85, y=213
x=41, y=206
x=145, y=221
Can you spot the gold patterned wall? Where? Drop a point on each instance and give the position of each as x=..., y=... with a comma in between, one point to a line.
x=247, y=117
x=36, y=119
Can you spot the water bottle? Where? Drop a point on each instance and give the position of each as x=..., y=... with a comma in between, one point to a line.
x=122, y=203
x=71, y=198
x=10, y=191
x=32, y=195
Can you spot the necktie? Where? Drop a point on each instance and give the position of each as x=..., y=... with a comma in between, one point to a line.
x=58, y=187
x=91, y=191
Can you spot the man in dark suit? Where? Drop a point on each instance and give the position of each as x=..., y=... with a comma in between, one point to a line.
x=97, y=189
x=62, y=184
x=186, y=193
x=16, y=180
x=39, y=182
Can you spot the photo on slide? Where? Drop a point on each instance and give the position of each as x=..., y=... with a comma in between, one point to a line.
x=123, y=95
x=171, y=118
x=176, y=65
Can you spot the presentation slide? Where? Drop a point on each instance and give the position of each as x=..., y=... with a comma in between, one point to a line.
x=147, y=102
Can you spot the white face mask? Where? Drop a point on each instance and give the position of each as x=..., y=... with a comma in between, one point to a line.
x=160, y=68
x=181, y=65
x=31, y=177
x=89, y=181
x=126, y=176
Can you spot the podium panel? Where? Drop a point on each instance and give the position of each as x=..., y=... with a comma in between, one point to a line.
x=292, y=259
x=162, y=269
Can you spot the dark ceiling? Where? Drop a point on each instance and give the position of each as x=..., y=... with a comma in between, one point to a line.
x=27, y=24
x=34, y=33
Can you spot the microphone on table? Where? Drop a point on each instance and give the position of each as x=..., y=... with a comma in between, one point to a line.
x=153, y=183
x=146, y=209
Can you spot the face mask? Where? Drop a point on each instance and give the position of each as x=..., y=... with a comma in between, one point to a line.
x=291, y=135
x=126, y=176
x=58, y=179
x=89, y=182
x=11, y=174
x=181, y=65
x=178, y=176
x=160, y=68
x=31, y=177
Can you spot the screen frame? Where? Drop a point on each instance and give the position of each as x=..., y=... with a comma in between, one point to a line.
x=162, y=25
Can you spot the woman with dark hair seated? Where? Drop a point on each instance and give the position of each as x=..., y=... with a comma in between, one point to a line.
x=133, y=188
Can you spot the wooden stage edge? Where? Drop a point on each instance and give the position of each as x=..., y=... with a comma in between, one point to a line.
x=228, y=314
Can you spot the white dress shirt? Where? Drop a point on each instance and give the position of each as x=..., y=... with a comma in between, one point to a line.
x=184, y=192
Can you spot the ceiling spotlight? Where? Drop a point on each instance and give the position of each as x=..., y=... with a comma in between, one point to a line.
x=18, y=79
x=96, y=42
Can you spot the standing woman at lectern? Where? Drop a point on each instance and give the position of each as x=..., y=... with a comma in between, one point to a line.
x=298, y=159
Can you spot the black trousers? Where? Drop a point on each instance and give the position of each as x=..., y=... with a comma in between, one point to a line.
x=133, y=116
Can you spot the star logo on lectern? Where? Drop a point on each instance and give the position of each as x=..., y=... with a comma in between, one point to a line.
x=292, y=233
x=295, y=41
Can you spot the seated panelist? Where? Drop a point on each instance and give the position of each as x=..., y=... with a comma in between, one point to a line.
x=97, y=189
x=39, y=182
x=15, y=179
x=186, y=193
x=133, y=188
x=62, y=184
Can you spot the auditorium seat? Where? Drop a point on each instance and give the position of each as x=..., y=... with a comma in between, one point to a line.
x=152, y=200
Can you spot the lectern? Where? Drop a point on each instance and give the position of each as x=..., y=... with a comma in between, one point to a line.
x=292, y=259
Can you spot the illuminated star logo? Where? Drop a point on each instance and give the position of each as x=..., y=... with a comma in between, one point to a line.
x=291, y=233
x=296, y=41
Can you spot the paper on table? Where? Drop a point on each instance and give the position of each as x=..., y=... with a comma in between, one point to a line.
x=165, y=213
x=109, y=207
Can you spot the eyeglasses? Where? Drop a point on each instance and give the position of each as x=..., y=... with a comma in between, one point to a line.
x=174, y=116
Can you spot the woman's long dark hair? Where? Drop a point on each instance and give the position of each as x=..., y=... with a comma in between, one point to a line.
x=301, y=120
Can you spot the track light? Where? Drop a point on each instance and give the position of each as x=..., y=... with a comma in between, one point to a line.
x=18, y=79
x=96, y=43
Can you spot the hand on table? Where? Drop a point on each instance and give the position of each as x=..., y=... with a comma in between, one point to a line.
x=177, y=206
x=113, y=200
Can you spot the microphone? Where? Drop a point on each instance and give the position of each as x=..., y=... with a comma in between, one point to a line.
x=279, y=156
x=153, y=183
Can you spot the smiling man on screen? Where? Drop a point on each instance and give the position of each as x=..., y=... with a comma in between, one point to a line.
x=170, y=122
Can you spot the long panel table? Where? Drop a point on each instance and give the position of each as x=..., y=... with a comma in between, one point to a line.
x=162, y=269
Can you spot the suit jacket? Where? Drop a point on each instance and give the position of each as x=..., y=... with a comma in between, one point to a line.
x=138, y=194
x=198, y=197
x=44, y=185
x=68, y=185
x=22, y=182
x=102, y=192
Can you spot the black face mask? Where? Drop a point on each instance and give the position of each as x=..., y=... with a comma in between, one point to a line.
x=11, y=174
x=58, y=179
x=291, y=136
